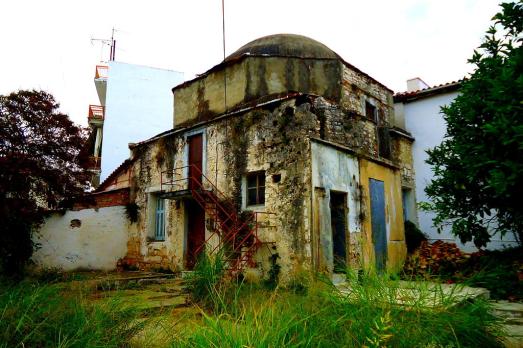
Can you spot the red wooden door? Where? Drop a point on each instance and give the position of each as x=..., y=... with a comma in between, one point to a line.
x=195, y=213
x=195, y=160
x=195, y=232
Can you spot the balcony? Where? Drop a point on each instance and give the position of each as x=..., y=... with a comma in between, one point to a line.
x=96, y=115
x=101, y=72
x=100, y=81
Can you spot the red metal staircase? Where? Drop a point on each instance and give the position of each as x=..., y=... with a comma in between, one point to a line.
x=237, y=235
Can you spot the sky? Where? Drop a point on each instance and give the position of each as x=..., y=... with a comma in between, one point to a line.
x=47, y=44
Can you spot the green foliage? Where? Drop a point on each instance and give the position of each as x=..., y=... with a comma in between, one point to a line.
x=41, y=164
x=413, y=236
x=33, y=315
x=274, y=272
x=131, y=211
x=478, y=181
x=499, y=271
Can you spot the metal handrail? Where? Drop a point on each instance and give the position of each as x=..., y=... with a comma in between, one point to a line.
x=229, y=225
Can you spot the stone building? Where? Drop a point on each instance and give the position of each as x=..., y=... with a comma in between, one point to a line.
x=283, y=149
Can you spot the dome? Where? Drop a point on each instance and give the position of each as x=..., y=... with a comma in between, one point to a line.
x=285, y=45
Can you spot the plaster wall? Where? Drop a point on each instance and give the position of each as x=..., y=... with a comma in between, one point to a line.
x=396, y=248
x=333, y=170
x=423, y=119
x=138, y=106
x=93, y=239
x=252, y=78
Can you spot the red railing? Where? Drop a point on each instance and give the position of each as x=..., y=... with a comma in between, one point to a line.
x=96, y=112
x=101, y=72
x=237, y=236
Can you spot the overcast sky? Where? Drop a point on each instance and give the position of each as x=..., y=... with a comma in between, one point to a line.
x=46, y=44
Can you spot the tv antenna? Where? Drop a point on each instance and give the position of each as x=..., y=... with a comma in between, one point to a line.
x=109, y=42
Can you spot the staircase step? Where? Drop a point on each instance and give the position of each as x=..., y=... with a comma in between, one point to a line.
x=508, y=310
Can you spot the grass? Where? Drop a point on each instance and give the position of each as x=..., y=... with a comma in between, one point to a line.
x=45, y=315
x=227, y=313
x=245, y=315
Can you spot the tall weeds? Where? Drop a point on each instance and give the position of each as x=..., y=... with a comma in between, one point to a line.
x=33, y=315
x=367, y=314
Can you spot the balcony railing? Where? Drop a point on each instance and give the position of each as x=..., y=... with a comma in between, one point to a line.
x=101, y=72
x=94, y=163
x=96, y=112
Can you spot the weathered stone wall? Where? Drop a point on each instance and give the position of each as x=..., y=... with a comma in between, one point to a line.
x=357, y=88
x=402, y=150
x=273, y=138
x=154, y=163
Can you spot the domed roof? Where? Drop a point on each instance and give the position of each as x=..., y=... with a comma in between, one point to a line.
x=286, y=45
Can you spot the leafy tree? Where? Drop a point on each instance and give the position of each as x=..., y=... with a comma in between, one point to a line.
x=478, y=183
x=40, y=165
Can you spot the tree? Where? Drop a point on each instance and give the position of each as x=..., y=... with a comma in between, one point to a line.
x=478, y=182
x=41, y=164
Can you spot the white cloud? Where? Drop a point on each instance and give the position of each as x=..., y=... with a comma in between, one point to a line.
x=46, y=44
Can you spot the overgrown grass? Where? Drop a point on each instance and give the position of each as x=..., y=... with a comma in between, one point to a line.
x=43, y=315
x=367, y=314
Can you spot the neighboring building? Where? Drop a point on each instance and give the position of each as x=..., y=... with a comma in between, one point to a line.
x=418, y=110
x=135, y=103
x=294, y=155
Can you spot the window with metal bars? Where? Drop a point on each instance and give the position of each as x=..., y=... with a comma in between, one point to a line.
x=159, y=230
x=256, y=188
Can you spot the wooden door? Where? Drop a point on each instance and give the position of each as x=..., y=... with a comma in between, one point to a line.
x=379, y=230
x=195, y=232
x=195, y=213
x=195, y=160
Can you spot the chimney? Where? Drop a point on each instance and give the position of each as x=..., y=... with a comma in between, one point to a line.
x=415, y=84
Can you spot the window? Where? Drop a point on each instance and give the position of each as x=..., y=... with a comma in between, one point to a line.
x=256, y=188
x=384, y=143
x=370, y=111
x=159, y=229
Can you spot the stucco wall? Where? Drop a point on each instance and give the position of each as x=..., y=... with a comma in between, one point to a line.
x=333, y=170
x=93, y=239
x=425, y=122
x=138, y=105
x=252, y=78
x=396, y=248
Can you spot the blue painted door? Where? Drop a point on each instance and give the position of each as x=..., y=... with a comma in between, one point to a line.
x=379, y=231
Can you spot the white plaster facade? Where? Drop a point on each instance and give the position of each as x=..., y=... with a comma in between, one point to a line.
x=138, y=104
x=423, y=119
x=93, y=239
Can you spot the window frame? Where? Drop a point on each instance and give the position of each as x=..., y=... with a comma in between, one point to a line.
x=159, y=219
x=259, y=187
x=370, y=105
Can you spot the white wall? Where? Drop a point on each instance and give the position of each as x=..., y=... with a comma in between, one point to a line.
x=139, y=105
x=426, y=124
x=96, y=244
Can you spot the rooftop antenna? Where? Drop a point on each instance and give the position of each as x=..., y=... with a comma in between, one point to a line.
x=109, y=42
